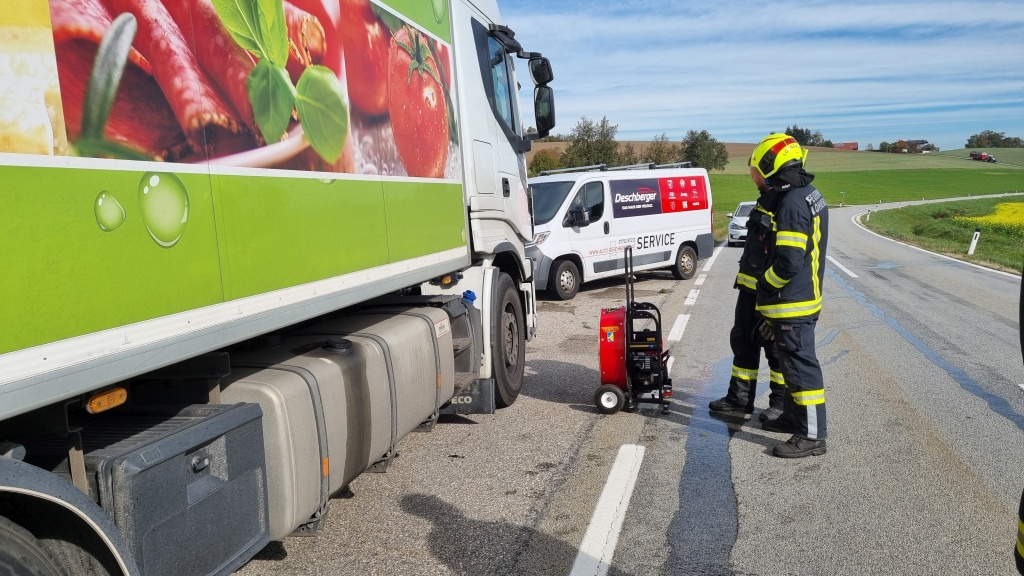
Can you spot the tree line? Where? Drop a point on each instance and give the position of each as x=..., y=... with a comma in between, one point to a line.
x=592, y=143
x=992, y=139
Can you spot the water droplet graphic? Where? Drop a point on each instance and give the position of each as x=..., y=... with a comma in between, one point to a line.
x=163, y=201
x=440, y=9
x=109, y=213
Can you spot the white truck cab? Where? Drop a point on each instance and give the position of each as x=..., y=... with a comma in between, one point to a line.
x=585, y=219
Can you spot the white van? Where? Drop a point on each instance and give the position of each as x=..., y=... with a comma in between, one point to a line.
x=584, y=220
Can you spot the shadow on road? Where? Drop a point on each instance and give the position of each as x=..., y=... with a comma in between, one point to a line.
x=467, y=546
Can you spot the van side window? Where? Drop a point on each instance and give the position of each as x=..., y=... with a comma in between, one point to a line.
x=595, y=200
x=589, y=198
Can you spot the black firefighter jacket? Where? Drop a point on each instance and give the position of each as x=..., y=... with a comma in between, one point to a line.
x=789, y=292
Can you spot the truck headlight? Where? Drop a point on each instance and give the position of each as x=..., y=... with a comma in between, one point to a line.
x=541, y=237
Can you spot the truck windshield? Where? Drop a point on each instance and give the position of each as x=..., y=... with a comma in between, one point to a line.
x=548, y=198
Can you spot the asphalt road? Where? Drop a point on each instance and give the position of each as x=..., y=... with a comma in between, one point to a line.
x=925, y=466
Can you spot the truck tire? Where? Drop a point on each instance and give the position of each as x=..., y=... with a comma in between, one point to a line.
x=508, y=342
x=685, y=265
x=21, y=554
x=565, y=280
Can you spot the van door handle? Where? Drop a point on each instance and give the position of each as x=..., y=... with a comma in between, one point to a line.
x=505, y=189
x=607, y=228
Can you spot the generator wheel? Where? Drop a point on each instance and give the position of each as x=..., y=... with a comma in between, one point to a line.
x=609, y=399
x=685, y=265
x=23, y=554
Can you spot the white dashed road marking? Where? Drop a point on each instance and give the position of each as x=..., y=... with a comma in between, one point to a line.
x=598, y=546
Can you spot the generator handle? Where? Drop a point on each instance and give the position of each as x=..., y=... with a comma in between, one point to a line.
x=627, y=257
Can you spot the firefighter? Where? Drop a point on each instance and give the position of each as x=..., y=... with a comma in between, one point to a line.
x=789, y=291
x=746, y=346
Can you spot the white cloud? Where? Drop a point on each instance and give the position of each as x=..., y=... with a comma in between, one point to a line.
x=862, y=72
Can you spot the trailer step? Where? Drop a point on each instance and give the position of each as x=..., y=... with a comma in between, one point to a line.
x=460, y=344
x=464, y=380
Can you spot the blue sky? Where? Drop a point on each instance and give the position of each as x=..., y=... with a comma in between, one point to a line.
x=858, y=71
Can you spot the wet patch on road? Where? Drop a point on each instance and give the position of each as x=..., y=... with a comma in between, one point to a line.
x=703, y=532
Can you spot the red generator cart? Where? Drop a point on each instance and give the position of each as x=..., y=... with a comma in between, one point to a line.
x=634, y=364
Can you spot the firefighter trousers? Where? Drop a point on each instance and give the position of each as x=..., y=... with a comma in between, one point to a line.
x=746, y=350
x=805, y=403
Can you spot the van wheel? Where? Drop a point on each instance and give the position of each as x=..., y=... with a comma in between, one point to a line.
x=565, y=282
x=22, y=553
x=685, y=265
x=508, y=342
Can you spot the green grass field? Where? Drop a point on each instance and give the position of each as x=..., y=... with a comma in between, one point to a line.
x=868, y=178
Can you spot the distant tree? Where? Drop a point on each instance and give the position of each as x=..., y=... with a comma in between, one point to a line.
x=531, y=130
x=660, y=151
x=801, y=135
x=870, y=148
x=628, y=154
x=990, y=139
x=899, y=147
x=805, y=137
x=884, y=147
x=545, y=160
x=591, y=143
x=703, y=151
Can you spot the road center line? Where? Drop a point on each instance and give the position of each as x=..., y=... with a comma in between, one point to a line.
x=692, y=298
x=841, y=267
x=700, y=280
x=711, y=261
x=678, y=328
x=598, y=546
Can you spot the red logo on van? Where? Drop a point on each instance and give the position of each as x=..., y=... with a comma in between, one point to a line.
x=683, y=194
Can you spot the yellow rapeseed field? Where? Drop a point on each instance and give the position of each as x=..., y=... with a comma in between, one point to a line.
x=1008, y=216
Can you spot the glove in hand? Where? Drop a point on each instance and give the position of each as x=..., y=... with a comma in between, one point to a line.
x=764, y=331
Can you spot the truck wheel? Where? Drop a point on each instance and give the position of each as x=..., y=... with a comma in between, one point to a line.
x=609, y=399
x=685, y=265
x=508, y=342
x=565, y=282
x=23, y=555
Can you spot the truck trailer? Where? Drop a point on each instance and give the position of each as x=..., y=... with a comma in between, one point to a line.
x=249, y=246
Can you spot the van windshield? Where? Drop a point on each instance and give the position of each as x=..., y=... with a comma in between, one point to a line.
x=548, y=198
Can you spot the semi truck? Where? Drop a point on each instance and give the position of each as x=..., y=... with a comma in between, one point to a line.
x=249, y=246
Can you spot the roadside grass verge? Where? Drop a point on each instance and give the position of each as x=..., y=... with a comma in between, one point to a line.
x=948, y=227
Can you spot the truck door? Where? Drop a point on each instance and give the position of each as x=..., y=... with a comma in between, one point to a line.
x=496, y=177
x=591, y=239
x=511, y=164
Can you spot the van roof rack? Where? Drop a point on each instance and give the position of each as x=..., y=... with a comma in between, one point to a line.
x=607, y=168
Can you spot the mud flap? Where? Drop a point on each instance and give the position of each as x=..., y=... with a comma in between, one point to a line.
x=477, y=398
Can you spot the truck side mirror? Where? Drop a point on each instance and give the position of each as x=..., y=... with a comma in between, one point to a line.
x=544, y=110
x=540, y=70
